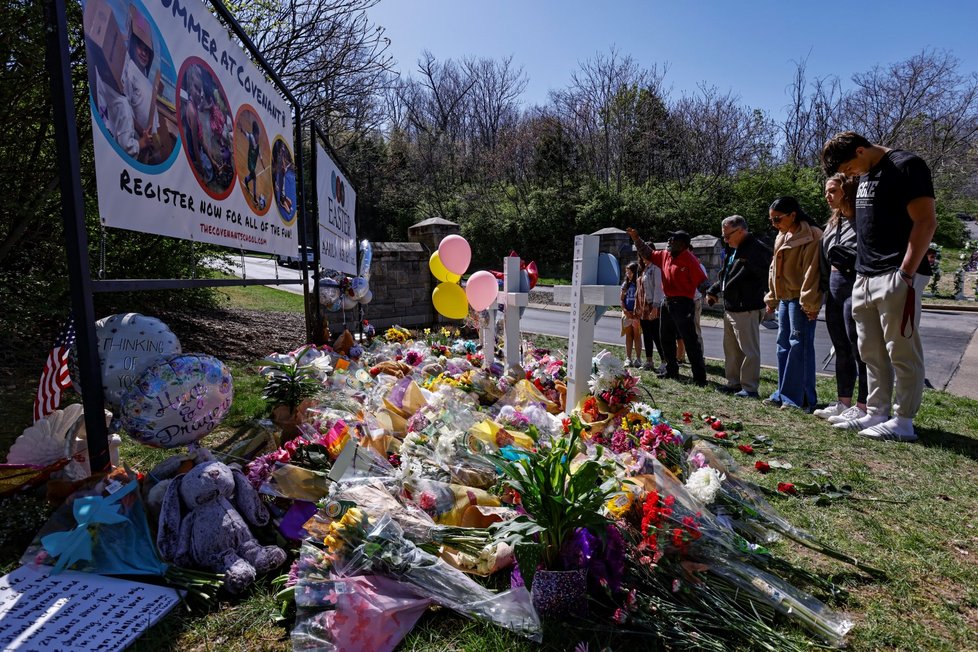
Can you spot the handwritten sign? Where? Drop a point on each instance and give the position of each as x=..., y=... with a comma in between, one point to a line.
x=76, y=611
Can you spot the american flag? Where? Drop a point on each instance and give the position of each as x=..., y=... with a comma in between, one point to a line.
x=55, y=377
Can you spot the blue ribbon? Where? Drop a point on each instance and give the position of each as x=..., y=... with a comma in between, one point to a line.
x=76, y=545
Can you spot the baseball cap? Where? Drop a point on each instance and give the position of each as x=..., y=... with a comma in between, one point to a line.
x=679, y=235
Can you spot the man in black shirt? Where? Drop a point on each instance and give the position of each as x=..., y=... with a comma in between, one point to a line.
x=895, y=220
x=742, y=282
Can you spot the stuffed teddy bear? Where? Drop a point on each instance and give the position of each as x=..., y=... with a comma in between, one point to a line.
x=204, y=524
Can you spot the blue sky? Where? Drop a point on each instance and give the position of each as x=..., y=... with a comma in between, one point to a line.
x=749, y=46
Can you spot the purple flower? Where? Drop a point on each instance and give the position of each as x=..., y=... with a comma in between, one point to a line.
x=621, y=441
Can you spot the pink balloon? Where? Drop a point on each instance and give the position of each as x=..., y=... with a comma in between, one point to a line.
x=481, y=290
x=455, y=254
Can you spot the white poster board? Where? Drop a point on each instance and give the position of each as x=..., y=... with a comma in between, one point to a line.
x=191, y=140
x=337, y=216
x=76, y=611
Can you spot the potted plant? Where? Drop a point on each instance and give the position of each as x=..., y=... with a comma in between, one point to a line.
x=291, y=380
x=562, y=495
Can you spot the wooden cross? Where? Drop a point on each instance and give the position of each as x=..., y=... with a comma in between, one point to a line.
x=513, y=302
x=584, y=295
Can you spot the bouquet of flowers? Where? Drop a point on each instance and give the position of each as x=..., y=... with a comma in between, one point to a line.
x=357, y=547
x=102, y=528
x=611, y=382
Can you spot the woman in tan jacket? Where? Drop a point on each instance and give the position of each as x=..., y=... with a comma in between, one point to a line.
x=793, y=290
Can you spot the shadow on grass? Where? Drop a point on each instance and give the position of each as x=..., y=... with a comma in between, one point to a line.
x=960, y=444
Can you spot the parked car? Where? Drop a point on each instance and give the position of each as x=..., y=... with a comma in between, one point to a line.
x=307, y=256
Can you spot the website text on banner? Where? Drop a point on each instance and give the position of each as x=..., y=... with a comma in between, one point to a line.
x=191, y=140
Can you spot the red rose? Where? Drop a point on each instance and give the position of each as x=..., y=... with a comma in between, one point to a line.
x=720, y=435
x=762, y=466
x=787, y=488
x=717, y=425
x=746, y=448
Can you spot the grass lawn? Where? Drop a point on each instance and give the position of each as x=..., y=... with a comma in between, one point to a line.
x=914, y=513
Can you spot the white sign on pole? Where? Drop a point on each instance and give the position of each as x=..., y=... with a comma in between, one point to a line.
x=191, y=140
x=76, y=611
x=337, y=216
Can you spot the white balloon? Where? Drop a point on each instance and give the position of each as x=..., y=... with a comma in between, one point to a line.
x=367, y=297
x=359, y=287
x=127, y=344
x=348, y=302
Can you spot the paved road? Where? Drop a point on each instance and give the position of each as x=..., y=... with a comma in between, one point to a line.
x=266, y=268
x=945, y=334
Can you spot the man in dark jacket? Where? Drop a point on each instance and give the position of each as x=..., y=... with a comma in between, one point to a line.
x=742, y=282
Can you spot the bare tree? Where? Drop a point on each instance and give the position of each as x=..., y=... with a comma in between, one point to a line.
x=924, y=103
x=713, y=136
x=333, y=59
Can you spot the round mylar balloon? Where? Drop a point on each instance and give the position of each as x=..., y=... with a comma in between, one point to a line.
x=481, y=290
x=455, y=253
x=177, y=400
x=329, y=291
x=439, y=271
x=450, y=301
x=359, y=287
x=127, y=344
x=367, y=297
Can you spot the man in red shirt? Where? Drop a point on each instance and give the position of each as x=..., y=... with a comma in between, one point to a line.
x=682, y=275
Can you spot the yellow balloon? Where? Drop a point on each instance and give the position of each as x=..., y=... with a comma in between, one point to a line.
x=442, y=274
x=450, y=301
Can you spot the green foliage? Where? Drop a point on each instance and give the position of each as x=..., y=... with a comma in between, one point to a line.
x=560, y=496
x=290, y=383
x=951, y=231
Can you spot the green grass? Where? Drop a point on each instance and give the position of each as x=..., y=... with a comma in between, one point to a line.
x=927, y=542
x=260, y=297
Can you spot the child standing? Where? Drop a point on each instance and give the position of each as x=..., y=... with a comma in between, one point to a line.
x=254, y=155
x=631, y=326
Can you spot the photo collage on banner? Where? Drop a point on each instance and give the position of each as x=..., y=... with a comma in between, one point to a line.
x=191, y=140
x=337, y=216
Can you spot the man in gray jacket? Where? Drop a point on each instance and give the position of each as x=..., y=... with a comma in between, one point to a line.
x=742, y=282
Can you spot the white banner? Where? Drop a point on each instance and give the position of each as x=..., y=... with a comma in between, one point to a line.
x=191, y=140
x=337, y=213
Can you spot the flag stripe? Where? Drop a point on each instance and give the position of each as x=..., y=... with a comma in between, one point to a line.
x=55, y=377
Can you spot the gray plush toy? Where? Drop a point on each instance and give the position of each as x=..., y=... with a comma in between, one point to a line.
x=203, y=525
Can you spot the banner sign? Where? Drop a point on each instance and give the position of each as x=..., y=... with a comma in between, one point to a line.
x=337, y=213
x=191, y=140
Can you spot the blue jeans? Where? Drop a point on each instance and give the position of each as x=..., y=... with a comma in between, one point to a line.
x=796, y=356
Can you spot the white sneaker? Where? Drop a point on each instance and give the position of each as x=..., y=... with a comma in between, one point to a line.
x=895, y=429
x=851, y=414
x=627, y=363
x=862, y=423
x=833, y=410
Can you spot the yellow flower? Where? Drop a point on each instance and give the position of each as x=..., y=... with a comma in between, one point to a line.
x=427, y=331
x=619, y=504
x=457, y=333
x=331, y=543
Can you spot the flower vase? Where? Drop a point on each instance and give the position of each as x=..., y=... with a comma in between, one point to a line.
x=560, y=594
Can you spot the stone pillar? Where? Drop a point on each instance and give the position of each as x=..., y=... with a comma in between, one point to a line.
x=709, y=249
x=616, y=242
x=429, y=234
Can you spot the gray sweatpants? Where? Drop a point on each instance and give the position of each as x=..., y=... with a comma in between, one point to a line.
x=894, y=362
x=742, y=348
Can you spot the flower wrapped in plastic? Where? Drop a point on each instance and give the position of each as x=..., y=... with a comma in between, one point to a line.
x=682, y=546
x=358, y=548
x=102, y=528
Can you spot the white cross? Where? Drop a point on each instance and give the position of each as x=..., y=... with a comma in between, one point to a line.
x=584, y=294
x=513, y=300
